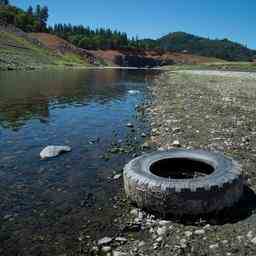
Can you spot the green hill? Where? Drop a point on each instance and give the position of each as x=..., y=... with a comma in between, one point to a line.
x=223, y=49
x=18, y=50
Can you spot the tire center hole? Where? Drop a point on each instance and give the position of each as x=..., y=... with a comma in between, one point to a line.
x=180, y=168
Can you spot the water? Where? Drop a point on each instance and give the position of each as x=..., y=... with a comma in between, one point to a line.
x=86, y=109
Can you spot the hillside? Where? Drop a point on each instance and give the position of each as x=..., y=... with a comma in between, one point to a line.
x=149, y=58
x=223, y=49
x=19, y=50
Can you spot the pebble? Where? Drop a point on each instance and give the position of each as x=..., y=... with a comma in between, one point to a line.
x=117, y=176
x=254, y=240
x=118, y=253
x=105, y=241
x=188, y=233
x=199, y=232
x=161, y=230
x=134, y=212
x=176, y=143
x=214, y=246
x=176, y=129
x=159, y=239
x=141, y=244
x=145, y=145
x=129, y=125
x=250, y=235
x=106, y=249
x=121, y=239
x=164, y=222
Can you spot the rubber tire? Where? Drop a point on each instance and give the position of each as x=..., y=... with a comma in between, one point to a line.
x=202, y=195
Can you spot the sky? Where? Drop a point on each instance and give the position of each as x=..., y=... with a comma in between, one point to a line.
x=232, y=19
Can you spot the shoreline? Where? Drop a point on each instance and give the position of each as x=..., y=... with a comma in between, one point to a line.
x=210, y=112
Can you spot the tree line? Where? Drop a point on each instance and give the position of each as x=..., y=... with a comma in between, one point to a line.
x=100, y=38
x=31, y=20
x=35, y=20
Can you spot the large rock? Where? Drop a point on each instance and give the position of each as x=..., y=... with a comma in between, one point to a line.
x=53, y=151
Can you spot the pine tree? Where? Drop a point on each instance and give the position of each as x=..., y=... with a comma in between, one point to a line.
x=30, y=11
x=4, y=2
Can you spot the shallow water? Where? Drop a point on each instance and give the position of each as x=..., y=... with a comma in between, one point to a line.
x=86, y=109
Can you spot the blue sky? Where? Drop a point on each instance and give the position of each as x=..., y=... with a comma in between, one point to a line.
x=233, y=19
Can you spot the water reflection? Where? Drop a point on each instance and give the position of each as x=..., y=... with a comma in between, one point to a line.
x=31, y=95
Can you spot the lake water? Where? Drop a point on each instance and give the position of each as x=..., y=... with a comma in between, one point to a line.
x=45, y=203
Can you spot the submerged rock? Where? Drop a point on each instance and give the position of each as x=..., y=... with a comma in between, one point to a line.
x=133, y=91
x=53, y=151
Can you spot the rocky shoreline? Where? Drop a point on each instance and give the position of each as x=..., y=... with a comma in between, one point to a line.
x=212, y=111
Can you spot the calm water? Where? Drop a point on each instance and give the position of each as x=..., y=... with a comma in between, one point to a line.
x=86, y=109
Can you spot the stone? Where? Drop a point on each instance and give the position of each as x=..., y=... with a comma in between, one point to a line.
x=159, y=239
x=176, y=143
x=117, y=176
x=141, y=244
x=250, y=235
x=53, y=151
x=164, y=222
x=188, y=233
x=129, y=125
x=118, y=253
x=254, y=240
x=134, y=212
x=106, y=249
x=214, y=246
x=104, y=241
x=121, y=239
x=176, y=129
x=133, y=91
x=161, y=230
x=199, y=232
x=145, y=145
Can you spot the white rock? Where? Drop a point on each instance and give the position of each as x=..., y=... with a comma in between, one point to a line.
x=250, y=235
x=199, y=232
x=239, y=238
x=129, y=125
x=207, y=226
x=188, y=233
x=106, y=249
x=134, y=212
x=133, y=91
x=225, y=241
x=105, y=241
x=141, y=244
x=176, y=143
x=214, y=246
x=121, y=239
x=159, y=239
x=164, y=222
x=161, y=230
x=117, y=176
x=53, y=151
x=183, y=241
x=253, y=240
x=118, y=253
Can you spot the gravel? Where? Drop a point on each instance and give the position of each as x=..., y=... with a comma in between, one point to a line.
x=212, y=111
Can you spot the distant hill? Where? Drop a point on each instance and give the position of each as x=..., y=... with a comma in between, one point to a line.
x=223, y=49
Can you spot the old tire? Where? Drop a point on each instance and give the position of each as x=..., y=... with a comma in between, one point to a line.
x=190, y=196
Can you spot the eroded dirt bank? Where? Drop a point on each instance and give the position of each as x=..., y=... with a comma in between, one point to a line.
x=212, y=111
